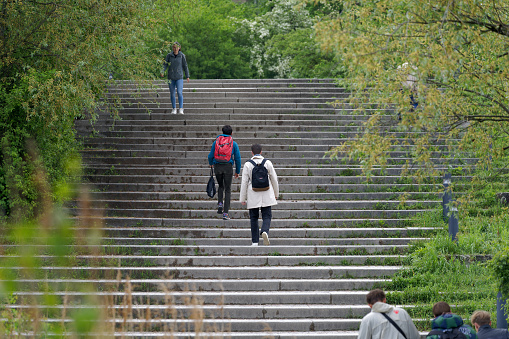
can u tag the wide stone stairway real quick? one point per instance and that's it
(334, 235)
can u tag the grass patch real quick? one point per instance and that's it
(457, 272)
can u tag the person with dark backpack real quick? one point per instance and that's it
(259, 191)
(447, 325)
(223, 154)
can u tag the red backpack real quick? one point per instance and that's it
(223, 150)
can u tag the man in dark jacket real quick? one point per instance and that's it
(482, 323)
(176, 64)
(224, 169)
(447, 324)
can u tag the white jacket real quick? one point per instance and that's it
(375, 326)
(258, 199)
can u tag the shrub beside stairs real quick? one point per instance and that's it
(334, 236)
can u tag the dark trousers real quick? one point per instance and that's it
(266, 217)
(224, 176)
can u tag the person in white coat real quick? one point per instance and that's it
(259, 200)
(376, 324)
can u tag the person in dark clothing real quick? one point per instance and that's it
(224, 170)
(176, 64)
(447, 323)
(481, 320)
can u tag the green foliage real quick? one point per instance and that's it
(55, 60)
(50, 239)
(500, 267)
(264, 39)
(441, 269)
(297, 55)
(207, 33)
(451, 59)
(282, 42)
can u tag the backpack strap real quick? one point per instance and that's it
(394, 324)
(255, 164)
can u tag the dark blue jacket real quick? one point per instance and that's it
(235, 155)
(486, 332)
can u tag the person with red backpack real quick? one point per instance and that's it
(223, 154)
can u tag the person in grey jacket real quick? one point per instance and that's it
(176, 64)
(376, 324)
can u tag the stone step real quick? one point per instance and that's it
(282, 207)
(293, 161)
(252, 90)
(140, 195)
(178, 189)
(281, 171)
(287, 233)
(163, 102)
(245, 272)
(246, 249)
(230, 298)
(241, 241)
(239, 285)
(288, 141)
(253, 260)
(201, 152)
(199, 124)
(275, 249)
(245, 312)
(106, 126)
(227, 83)
(244, 223)
(223, 116)
(236, 213)
(163, 98)
(282, 179)
(233, 325)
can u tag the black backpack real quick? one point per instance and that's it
(450, 333)
(259, 177)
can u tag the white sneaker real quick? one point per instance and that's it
(254, 244)
(266, 240)
(181, 111)
(174, 111)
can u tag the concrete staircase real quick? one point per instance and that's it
(334, 236)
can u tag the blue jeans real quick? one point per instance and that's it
(180, 86)
(266, 217)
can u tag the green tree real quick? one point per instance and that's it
(456, 51)
(297, 54)
(282, 42)
(206, 31)
(55, 60)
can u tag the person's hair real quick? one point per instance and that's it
(440, 308)
(227, 129)
(256, 148)
(480, 318)
(375, 296)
